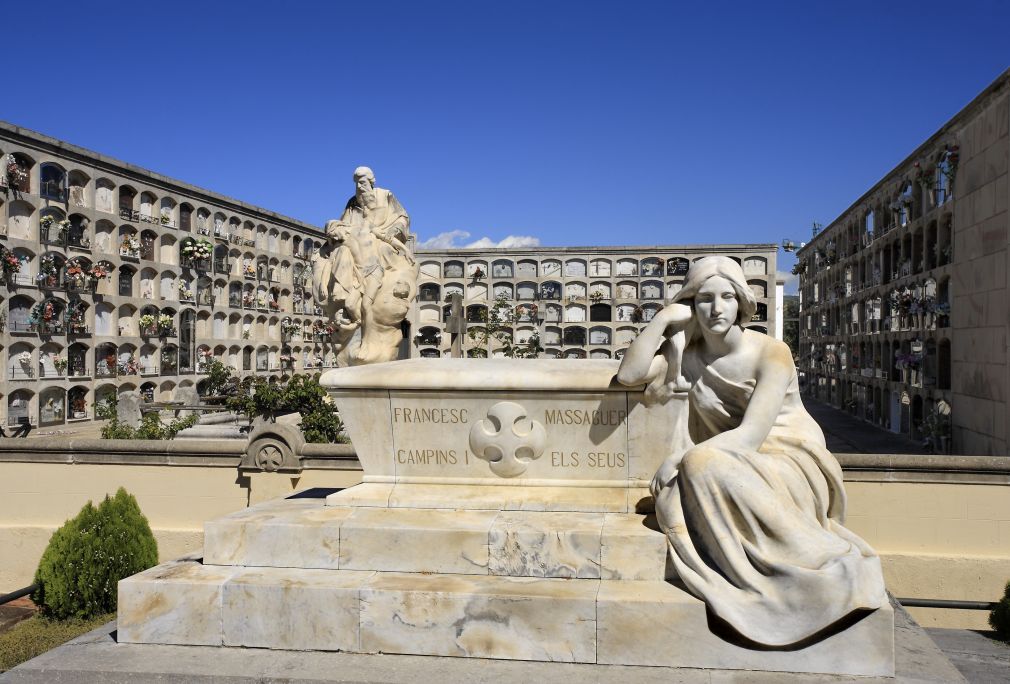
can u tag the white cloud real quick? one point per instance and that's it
(513, 241)
(792, 282)
(444, 240)
(455, 239)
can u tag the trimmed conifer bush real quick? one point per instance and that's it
(87, 557)
(999, 618)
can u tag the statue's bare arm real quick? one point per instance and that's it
(641, 364)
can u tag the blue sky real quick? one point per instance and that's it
(582, 123)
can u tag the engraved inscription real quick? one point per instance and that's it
(429, 415)
(578, 417)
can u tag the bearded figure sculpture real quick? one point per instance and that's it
(366, 276)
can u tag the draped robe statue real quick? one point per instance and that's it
(750, 498)
(366, 276)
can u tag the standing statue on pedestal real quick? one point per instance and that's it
(751, 500)
(366, 277)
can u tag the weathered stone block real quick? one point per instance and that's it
(527, 544)
(655, 623)
(293, 609)
(410, 540)
(480, 617)
(174, 603)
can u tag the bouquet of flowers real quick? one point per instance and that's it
(11, 264)
(199, 250)
(15, 174)
(164, 322)
(147, 320)
(130, 245)
(924, 176)
(99, 271)
(128, 366)
(184, 291)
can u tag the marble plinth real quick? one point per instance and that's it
(302, 533)
(572, 586)
(478, 616)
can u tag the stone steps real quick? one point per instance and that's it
(302, 533)
(465, 615)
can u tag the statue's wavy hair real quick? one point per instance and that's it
(709, 267)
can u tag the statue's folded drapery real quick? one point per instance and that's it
(758, 535)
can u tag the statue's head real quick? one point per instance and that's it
(730, 276)
(364, 179)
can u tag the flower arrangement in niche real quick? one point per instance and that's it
(164, 322)
(146, 320)
(78, 407)
(25, 358)
(14, 174)
(129, 365)
(924, 176)
(949, 160)
(130, 246)
(99, 271)
(199, 250)
(47, 271)
(9, 263)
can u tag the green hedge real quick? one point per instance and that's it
(87, 557)
(999, 618)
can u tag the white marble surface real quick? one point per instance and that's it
(405, 540)
(572, 620)
(270, 537)
(585, 436)
(480, 617)
(298, 611)
(534, 375)
(527, 544)
(366, 417)
(174, 603)
(633, 548)
(655, 623)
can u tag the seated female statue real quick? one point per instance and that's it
(753, 508)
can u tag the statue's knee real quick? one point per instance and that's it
(702, 461)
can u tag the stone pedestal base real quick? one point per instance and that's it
(587, 586)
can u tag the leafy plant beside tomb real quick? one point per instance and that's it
(999, 618)
(89, 554)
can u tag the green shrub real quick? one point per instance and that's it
(87, 557)
(999, 618)
(151, 426)
(302, 394)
